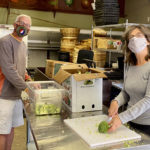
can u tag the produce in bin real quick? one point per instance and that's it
(43, 109)
(48, 101)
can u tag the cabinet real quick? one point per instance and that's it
(66, 6)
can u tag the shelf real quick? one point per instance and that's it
(122, 25)
(109, 50)
(43, 45)
(44, 48)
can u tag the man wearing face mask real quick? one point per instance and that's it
(12, 80)
(136, 89)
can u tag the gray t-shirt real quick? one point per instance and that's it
(136, 92)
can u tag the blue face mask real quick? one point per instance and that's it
(136, 45)
(21, 31)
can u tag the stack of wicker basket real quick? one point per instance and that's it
(69, 40)
(99, 56)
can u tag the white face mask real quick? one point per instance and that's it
(136, 45)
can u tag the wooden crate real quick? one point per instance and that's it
(105, 43)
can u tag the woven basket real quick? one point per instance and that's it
(100, 63)
(99, 56)
(70, 32)
(68, 44)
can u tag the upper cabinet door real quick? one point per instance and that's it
(66, 6)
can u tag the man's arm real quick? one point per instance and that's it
(8, 68)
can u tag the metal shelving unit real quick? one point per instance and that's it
(109, 50)
(113, 33)
(44, 43)
(110, 33)
(117, 33)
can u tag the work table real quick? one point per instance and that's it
(51, 133)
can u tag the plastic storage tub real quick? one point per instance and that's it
(46, 96)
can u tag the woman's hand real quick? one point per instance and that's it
(114, 123)
(113, 109)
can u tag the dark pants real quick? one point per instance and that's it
(143, 128)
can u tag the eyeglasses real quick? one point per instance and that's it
(24, 24)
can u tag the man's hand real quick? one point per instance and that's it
(114, 123)
(25, 95)
(37, 86)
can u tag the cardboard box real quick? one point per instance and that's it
(74, 66)
(106, 43)
(52, 67)
(85, 90)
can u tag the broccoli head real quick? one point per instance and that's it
(103, 127)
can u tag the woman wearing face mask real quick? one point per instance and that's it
(136, 89)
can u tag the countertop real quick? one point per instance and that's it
(50, 132)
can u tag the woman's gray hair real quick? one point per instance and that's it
(23, 15)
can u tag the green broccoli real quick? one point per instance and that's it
(37, 109)
(43, 109)
(103, 127)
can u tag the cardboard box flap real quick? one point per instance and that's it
(97, 70)
(78, 74)
(74, 66)
(52, 67)
(56, 61)
(61, 76)
(80, 77)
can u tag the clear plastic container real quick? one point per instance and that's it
(47, 96)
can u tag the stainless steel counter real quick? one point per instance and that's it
(50, 133)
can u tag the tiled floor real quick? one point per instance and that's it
(20, 138)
